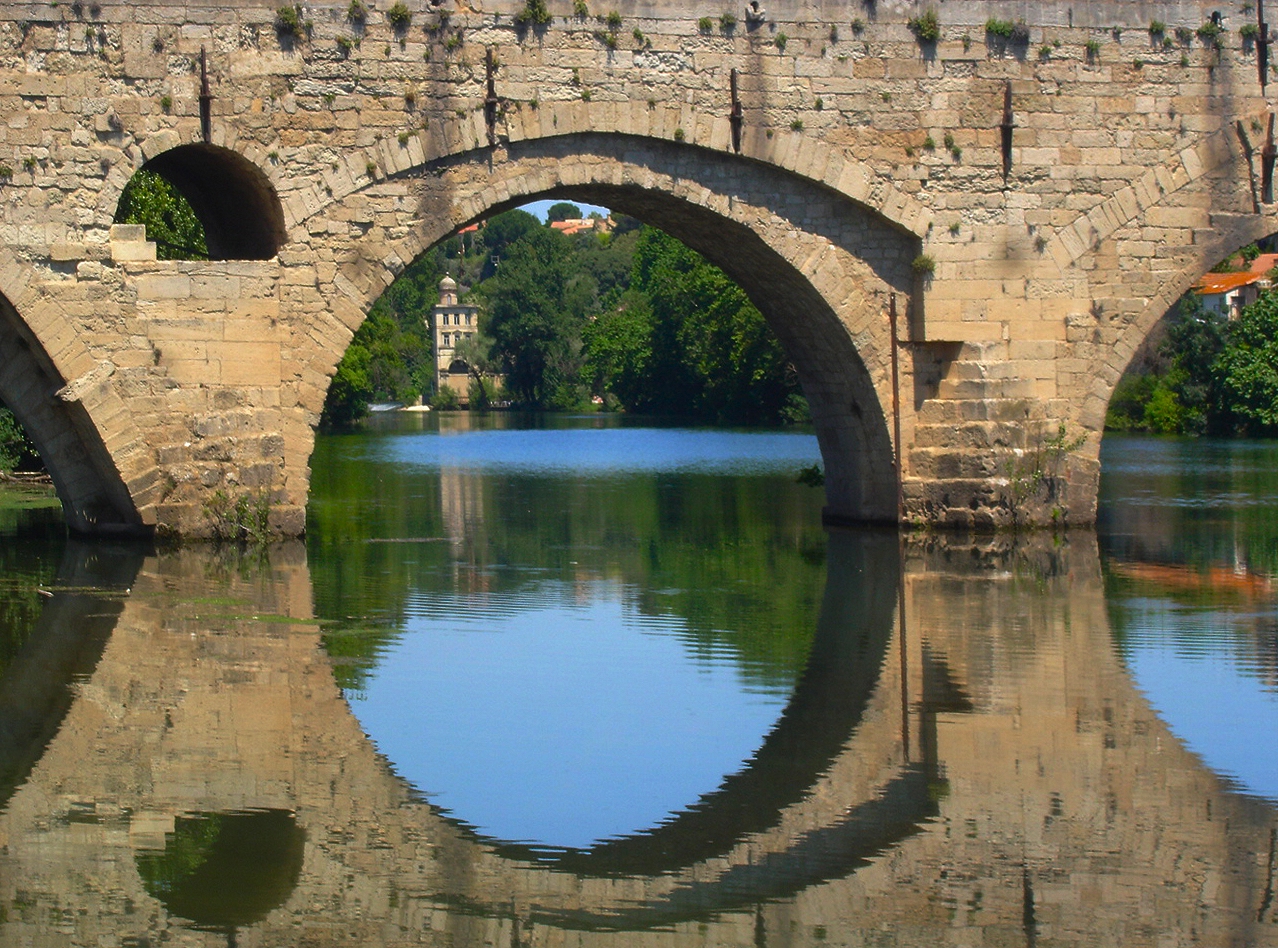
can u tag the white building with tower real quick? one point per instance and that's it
(453, 322)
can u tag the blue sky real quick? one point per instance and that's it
(539, 208)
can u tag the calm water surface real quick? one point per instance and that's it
(551, 680)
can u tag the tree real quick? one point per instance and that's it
(350, 391)
(697, 347)
(476, 351)
(1195, 340)
(17, 453)
(563, 211)
(1248, 367)
(535, 317)
(170, 221)
(502, 231)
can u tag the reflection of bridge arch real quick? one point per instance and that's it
(1041, 740)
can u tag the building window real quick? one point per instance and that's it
(447, 340)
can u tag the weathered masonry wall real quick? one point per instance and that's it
(867, 163)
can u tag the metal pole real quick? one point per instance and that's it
(896, 408)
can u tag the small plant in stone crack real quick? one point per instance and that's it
(1034, 475)
(399, 17)
(244, 519)
(926, 27)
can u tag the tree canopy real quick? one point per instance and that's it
(170, 221)
(1218, 377)
(632, 318)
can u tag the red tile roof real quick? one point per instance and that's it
(1264, 263)
(1224, 282)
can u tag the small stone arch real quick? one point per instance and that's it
(234, 200)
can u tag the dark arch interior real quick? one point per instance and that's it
(94, 498)
(234, 200)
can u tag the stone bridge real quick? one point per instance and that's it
(1033, 196)
(957, 781)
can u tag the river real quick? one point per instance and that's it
(592, 681)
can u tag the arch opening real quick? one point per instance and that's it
(236, 204)
(1201, 366)
(818, 265)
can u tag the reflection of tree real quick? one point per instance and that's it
(225, 871)
(740, 561)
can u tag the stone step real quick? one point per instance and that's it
(986, 388)
(947, 463)
(937, 411)
(971, 434)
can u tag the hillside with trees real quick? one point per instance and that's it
(630, 319)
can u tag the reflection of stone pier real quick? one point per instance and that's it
(997, 780)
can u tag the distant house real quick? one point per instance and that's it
(1227, 293)
(600, 225)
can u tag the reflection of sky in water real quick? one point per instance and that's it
(1191, 667)
(562, 719)
(608, 451)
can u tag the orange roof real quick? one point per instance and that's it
(1264, 263)
(1224, 282)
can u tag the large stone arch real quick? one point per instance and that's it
(818, 264)
(79, 428)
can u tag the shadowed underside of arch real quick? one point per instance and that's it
(94, 497)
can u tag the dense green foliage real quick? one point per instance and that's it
(390, 358)
(17, 453)
(633, 319)
(686, 340)
(1217, 378)
(149, 199)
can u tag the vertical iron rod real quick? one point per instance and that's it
(490, 98)
(1005, 130)
(206, 100)
(896, 407)
(1267, 155)
(1262, 44)
(735, 118)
